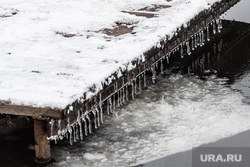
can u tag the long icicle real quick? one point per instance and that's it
(77, 132)
(114, 104)
(80, 124)
(124, 95)
(74, 132)
(145, 79)
(188, 48)
(100, 106)
(139, 83)
(214, 27)
(153, 74)
(192, 43)
(108, 107)
(118, 99)
(135, 85)
(162, 67)
(70, 132)
(133, 96)
(121, 96)
(85, 125)
(98, 116)
(126, 92)
(181, 51)
(90, 126)
(94, 113)
(208, 33)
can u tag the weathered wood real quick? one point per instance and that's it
(42, 145)
(11, 109)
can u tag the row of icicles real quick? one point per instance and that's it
(84, 125)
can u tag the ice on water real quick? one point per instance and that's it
(177, 113)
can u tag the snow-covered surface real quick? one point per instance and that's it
(40, 67)
(176, 114)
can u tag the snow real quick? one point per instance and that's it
(174, 115)
(42, 68)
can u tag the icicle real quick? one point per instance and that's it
(162, 67)
(124, 95)
(77, 132)
(60, 133)
(139, 83)
(67, 135)
(98, 116)
(80, 125)
(94, 113)
(114, 104)
(203, 37)
(198, 39)
(108, 107)
(135, 86)
(52, 123)
(144, 79)
(90, 127)
(74, 133)
(126, 92)
(121, 96)
(132, 84)
(153, 74)
(181, 51)
(118, 99)
(208, 33)
(219, 25)
(55, 141)
(168, 55)
(188, 48)
(59, 128)
(193, 43)
(214, 27)
(70, 132)
(85, 125)
(100, 105)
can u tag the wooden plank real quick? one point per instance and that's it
(36, 112)
(42, 145)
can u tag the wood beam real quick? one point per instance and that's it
(42, 145)
(35, 112)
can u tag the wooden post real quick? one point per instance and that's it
(42, 145)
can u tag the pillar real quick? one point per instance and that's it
(42, 145)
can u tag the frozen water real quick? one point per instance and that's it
(173, 115)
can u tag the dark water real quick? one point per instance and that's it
(131, 139)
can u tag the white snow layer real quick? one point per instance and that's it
(40, 67)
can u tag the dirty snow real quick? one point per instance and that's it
(40, 67)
